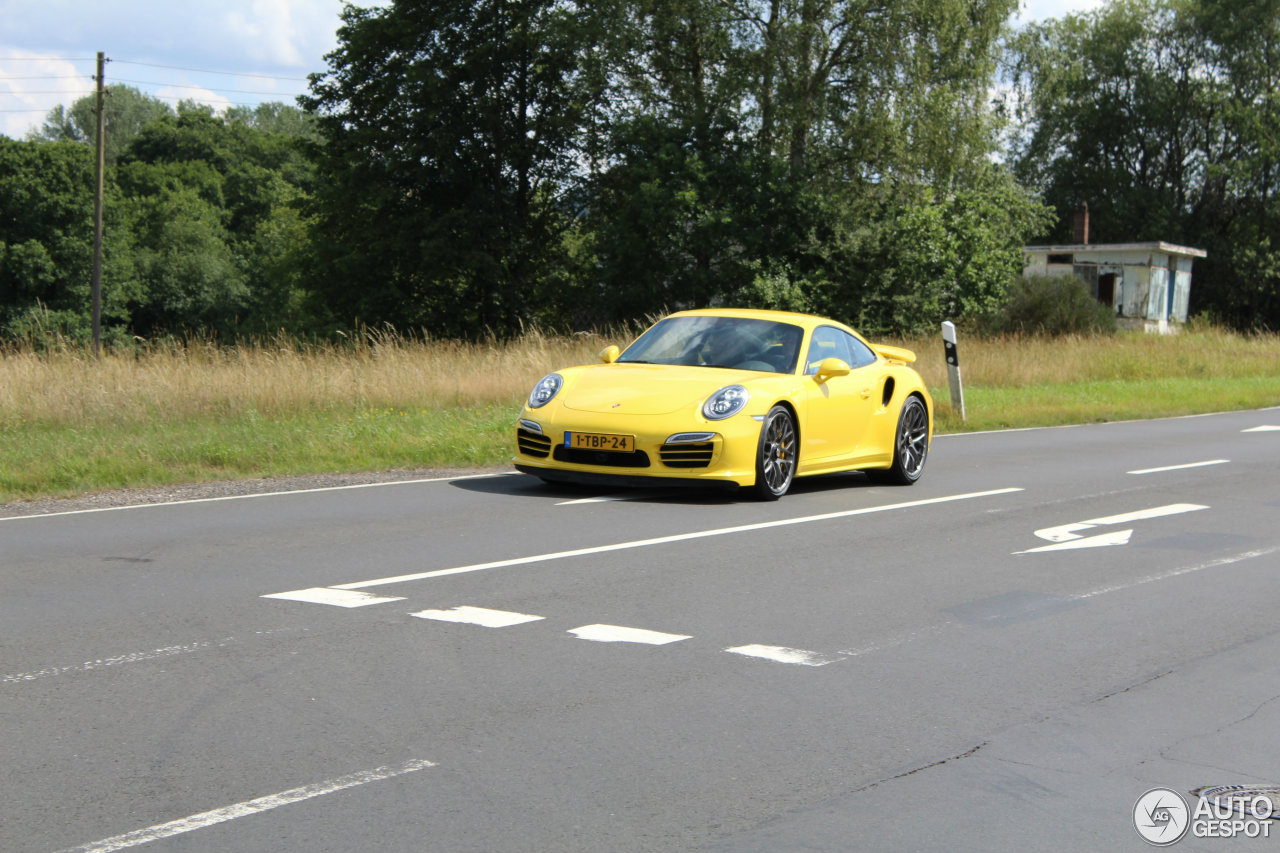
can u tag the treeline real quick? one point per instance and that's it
(204, 223)
(470, 168)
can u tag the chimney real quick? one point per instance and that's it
(1081, 236)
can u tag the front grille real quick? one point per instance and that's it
(532, 444)
(578, 456)
(686, 455)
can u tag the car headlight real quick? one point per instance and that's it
(546, 388)
(725, 403)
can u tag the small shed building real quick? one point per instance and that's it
(1147, 284)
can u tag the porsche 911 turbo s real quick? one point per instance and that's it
(743, 398)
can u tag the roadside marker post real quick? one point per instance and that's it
(953, 367)
(949, 345)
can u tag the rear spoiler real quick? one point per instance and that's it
(901, 354)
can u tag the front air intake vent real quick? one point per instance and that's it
(532, 444)
(687, 455)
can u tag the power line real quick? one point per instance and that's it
(209, 71)
(50, 77)
(204, 88)
(46, 59)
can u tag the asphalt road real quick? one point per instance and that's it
(1005, 656)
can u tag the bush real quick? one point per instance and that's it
(1052, 305)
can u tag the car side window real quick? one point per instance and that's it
(862, 354)
(828, 342)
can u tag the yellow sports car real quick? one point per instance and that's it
(730, 397)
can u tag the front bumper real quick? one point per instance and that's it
(726, 458)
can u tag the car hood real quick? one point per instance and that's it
(647, 389)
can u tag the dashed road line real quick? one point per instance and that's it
(783, 654)
(135, 657)
(249, 807)
(619, 634)
(481, 616)
(1182, 467)
(335, 597)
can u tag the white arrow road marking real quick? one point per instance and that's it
(250, 807)
(336, 597)
(481, 616)
(618, 634)
(782, 654)
(1067, 532)
(1120, 537)
(1181, 467)
(1263, 429)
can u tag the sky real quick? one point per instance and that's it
(240, 52)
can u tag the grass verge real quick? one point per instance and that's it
(197, 412)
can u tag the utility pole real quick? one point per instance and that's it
(97, 209)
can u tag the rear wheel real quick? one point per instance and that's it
(776, 455)
(910, 445)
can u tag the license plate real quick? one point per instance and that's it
(600, 441)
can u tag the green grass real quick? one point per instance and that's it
(196, 412)
(1099, 401)
(40, 461)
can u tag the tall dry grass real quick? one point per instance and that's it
(275, 379)
(281, 378)
(1019, 361)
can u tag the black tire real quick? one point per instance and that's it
(910, 444)
(776, 455)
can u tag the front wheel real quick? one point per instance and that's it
(776, 455)
(911, 444)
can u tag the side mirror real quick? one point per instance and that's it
(610, 354)
(831, 367)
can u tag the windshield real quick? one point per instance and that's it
(736, 342)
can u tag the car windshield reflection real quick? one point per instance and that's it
(739, 343)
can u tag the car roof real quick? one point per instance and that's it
(807, 320)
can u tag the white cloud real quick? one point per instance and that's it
(31, 86)
(173, 94)
(1039, 10)
(265, 49)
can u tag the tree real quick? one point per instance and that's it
(46, 239)
(127, 112)
(452, 143)
(762, 148)
(216, 215)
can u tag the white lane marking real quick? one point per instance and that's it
(1104, 540)
(336, 597)
(135, 657)
(249, 807)
(1199, 567)
(665, 540)
(1263, 428)
(596, 500)
(1065, 532)
(1181, 467)
(782, 654)
(481, 616)
(619, 634)
(898, 640)
(261, 495)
